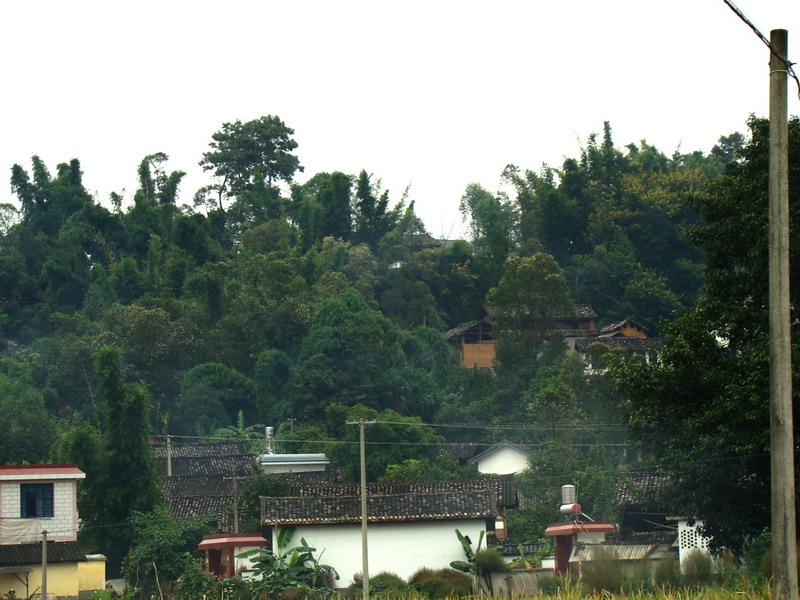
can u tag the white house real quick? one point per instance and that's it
(407, 531)
(35, 498)
(503, 458)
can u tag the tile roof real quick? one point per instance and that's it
(380, 509)
(198, 486)
(628, 344)
(503, 487)
(620, 324)
(584, 552)
(201, 459)
(641, 488)
(31, 554)
(460, 451)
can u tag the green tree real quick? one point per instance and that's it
(245, 155)
(129, 482)
(531, 292)
(702, 409)
(211, 397)
(161, 547)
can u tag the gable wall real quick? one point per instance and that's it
(503, 461)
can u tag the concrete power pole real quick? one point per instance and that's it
(44, 565)
(364, 552)
(784, 540)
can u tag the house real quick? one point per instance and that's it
(223, 553)
(624, 328)
(199, 478)
(640, 501)
(475, 347)
(503, 458)
(37, 498)
(407, 531)
(473, 343)
(632, 551)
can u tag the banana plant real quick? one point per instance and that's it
(468, 566)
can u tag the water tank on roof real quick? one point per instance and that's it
(568, 494)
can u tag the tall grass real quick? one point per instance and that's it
(576, 592)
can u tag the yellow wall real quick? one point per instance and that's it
(630, 331)
(92, 575)
(62, 580)
(478, 355)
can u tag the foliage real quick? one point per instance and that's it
(603, 572)
(697, 568)
(668, 573)
(718, 351)
(164, 545)
(441, 583)
(297, 568)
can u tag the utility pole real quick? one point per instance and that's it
(235, 502)
(44, 565)
(364, 553)
(784, 540)
(169, 456)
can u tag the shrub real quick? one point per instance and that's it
(489, 561)
(668, 573)
(603, 572)
(697, 568)
(388, 584)
(640, 578)
(442, 583)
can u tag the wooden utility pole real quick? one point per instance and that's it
(784, 540)
(364, 553)
(44, 565)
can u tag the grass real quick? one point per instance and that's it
(576, 592)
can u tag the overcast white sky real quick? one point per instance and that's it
(431, 94)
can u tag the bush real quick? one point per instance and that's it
(442, 583)
(639, 579)
(386, 584)
(697, 568)
(668, 573)
(489, 561)
(603, 572)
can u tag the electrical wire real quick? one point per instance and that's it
(763, 38)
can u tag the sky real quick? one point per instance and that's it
(432, 95)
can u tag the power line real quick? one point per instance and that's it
(557, 426)
(764, 39)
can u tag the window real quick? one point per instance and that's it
(36, 500)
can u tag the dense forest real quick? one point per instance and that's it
(265, 301)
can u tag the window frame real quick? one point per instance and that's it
(43, 502)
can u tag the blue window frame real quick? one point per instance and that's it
(36, 500)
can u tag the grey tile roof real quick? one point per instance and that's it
(31, 554)
(504, 488)
(224, 459)
(641, 488)
(627, 344)
(380, 509)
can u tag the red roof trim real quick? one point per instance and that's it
(231, 540)
(576, 528)
(39, 466)
(6, 470)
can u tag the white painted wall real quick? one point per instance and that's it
(62, 526)
(503, 461)
(400, 548)
(291, 468)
